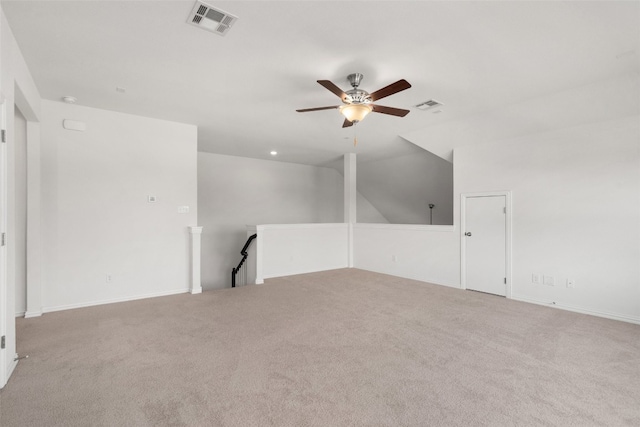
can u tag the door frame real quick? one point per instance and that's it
(5, 308)
(463, 244)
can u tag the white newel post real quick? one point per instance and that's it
(259, 279)
(196, 237)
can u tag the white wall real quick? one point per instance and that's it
(97, 220)
(284, 250)
(234, 192)
(420, 252)
(576, 211)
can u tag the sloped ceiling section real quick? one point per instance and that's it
(402, 187)
(599, 101)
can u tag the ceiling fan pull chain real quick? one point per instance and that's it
(355, 134)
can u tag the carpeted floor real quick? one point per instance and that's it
(337, 348)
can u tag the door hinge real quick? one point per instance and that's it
(4, 239)
(505, 280)
(3, 135)
(2, 342)
(504, 210)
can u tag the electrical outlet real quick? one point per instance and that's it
(571, 283)
(394, 258)
(108, 278)
(535, 278)
(548, 280)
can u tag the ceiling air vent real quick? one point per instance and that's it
(208, 18)
(428, 105)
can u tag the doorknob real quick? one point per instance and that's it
(468, 233)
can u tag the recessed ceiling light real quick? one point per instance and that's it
(274, 153)
(70, 99)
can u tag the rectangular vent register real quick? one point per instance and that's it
(211, 19)
(428, 105)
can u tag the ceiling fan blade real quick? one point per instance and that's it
(333, 88)
(396, 87)
(347, 123)
(304, 110)
(390, 110)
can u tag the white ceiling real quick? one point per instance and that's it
(478, 58)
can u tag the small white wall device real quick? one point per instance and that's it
(74, 125)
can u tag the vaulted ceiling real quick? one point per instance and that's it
(494, 65)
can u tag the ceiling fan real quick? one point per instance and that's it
(357, 103)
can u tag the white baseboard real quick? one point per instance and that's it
(419, 279)
(30, 314)
(20, 314)
(597, 313)
(305, 271)
(114, 300)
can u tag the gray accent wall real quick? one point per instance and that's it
(402, 187)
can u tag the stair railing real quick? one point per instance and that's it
(241, 268)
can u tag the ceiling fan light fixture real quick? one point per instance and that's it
(355, 112)
(357, 103)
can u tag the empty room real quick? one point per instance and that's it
(319, 213)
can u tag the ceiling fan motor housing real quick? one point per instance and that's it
(355, 95)
(355, 79)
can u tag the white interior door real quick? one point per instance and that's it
(485, 242)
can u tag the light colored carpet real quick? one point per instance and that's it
(337, 348)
